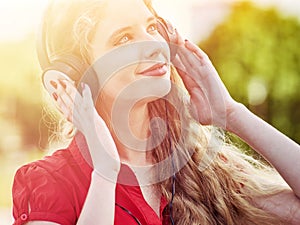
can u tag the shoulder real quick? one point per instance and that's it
(43, 176)
(61, 170)
(43, 190)
(47, 167)
(66, 169)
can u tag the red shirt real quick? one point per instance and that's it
(54, 189)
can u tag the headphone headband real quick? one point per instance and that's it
(64, 66)
(166, 30)
(42, 51)
(68, 66)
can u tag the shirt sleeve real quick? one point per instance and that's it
(40, 195)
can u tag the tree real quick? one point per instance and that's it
(257, 54)
(21, 96)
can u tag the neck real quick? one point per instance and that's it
(130, 132)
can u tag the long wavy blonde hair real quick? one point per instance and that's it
(218, 184)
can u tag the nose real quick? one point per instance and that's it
(153, 48)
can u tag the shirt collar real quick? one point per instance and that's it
(79, 150)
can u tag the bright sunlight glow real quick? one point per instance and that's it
(19, 18)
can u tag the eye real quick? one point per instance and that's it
(123, 40)
(152, 28)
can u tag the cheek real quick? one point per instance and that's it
(165, 46)
(125, 86)
(117, 82)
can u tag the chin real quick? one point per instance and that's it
(164, 89)
(155, 91)
(160, 86)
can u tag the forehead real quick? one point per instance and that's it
(117, 14)
(124, 10)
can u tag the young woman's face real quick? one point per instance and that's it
(130, 56)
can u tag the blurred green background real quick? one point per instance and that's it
(255, 50)
(257, 54)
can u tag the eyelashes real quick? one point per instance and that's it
(152, 28)
(124, 39)
(129, 36)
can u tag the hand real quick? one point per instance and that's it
(210, 99)
(76, 108)
(79, 109)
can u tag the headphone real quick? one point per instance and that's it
(65, 66)
(70, 67)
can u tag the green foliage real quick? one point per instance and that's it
(258, 44)
(21, 94)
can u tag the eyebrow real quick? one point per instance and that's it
(121, 30)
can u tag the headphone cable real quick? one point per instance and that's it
(173, 180)
(173, 167)
(129, 213)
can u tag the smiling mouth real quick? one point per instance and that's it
(158, 69)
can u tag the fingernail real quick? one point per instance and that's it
(170, 28)
(82, 86)
(53, 83)
(63, 84)
(176, 31)
(55, 96)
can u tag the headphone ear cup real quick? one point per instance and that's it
(52, 75)
(57, 71)
(90, 77)
(162, 29)
(70, 65)
(74, 71)
(170, 37)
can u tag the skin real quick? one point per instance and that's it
(122, 28)
(213, 106)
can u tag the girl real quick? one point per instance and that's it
(146, 148)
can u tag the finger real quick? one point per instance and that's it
(195, 49)
(173, 39)
(66, 93)
(87, 94)
(180, 40)
(190, 46)
(180, 68)
(178, 64)
(86, 109)
(63, 108)
(186, 72)
(72, 97)
(70, 88)
(182, 51)
(188, 59)
(69, 101)
(189, 82)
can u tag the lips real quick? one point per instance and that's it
(158, 69)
